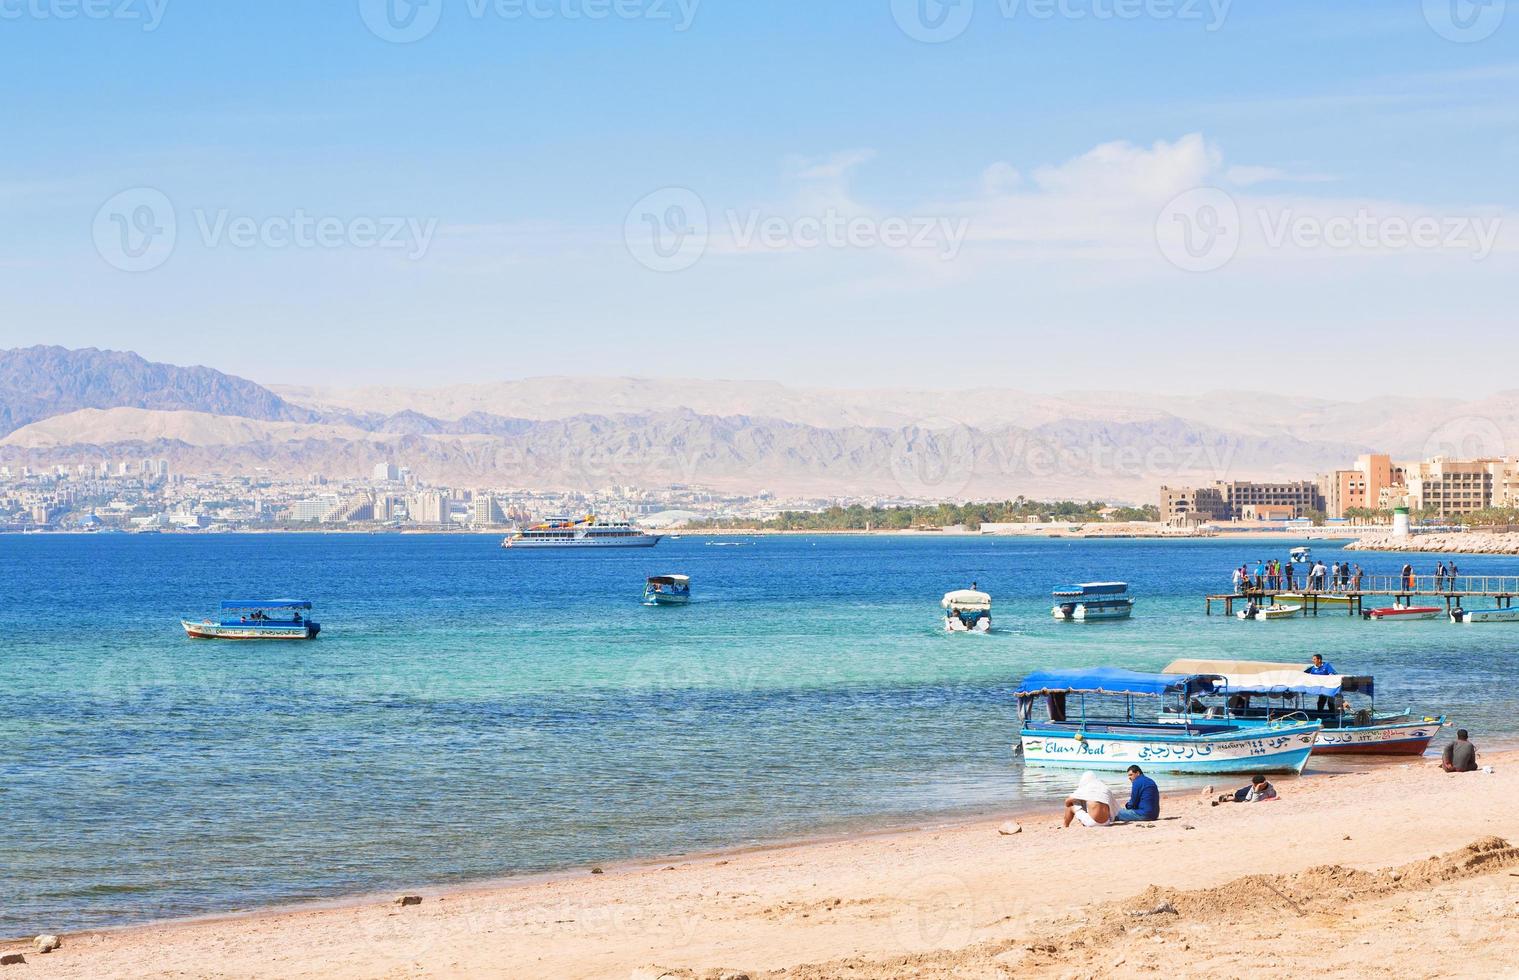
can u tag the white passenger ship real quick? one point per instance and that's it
(564, 532)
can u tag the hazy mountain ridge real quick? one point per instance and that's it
(582, 433)
(41, 382)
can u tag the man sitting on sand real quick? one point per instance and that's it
(1144, 798)
(1091, 805)
(1258, 791)
(1460, 755)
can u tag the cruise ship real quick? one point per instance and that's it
(564, 532)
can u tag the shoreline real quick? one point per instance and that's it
(881, 884)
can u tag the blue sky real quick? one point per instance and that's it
(485, 188)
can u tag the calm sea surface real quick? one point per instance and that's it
(474, 713)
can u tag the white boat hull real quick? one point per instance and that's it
(631, 541)
(1270, 612)
(1082, 613)
(953, 624)
(249, 631)
(1284, 750)
(1485, 616)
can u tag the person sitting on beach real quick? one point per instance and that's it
(1460, 755)
(1144, 798)
(1091, 805)
(1259, 791)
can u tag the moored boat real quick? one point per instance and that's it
(667, 590)
(1257, 693)
(1321, 598)
(1092, 602)
(1263, 613)
(1402, 613)
(257, 619)
(562, 532)
(1459, 615)
(967, 611)
(1111, 729)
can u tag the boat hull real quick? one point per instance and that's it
(666, 600)
(1402, 737)
(1485, 616)
(1274, 612)
(1405, 615)
(637, 541)
(954, 624)
(250, 631)
(1082, 613)
(1269, 750)
(1298, 598)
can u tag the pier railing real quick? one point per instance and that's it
(1444, 585)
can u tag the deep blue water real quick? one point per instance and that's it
(473, 713)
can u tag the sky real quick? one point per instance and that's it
(1159, 195)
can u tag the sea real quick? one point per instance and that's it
(471, 713)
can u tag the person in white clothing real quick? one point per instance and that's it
(1091, 805)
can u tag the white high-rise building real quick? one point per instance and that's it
(385, 473)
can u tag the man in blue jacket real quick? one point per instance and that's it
(1144, 798)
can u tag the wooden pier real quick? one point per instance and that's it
(1501, 589)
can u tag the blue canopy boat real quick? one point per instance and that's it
(1092, 722)
(1255, 693)
(1093, 601)
(667, 590)
(257, 619)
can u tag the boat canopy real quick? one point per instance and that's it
(1091, 588)
(967, 599)
(1112, 680)
(1257, 677)
(669, 580)
(230, 605)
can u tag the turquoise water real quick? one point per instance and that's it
(473, 713)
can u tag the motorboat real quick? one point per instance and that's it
(1092, 602)
(1274, 611)
(1401, 613)
(967, 611)
(1106, 718)
(257, 619)
(1260, 692)
(667, 590)
(1459, 615)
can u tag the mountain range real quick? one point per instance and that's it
(65, 406)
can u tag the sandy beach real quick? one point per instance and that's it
(1402, 868)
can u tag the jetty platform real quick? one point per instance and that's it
(1501, 589)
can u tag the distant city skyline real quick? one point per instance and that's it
(1157, 197)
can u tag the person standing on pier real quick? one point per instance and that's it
(1355, 578)
(1408, 577)
(1290, 570)
(1440, 576)
(1260, 575)
(1239, 578)
(1450, 573)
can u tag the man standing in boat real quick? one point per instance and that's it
(1322, 669)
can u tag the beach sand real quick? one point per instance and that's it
(1402, 869)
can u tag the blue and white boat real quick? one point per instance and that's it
(257, 619)
(667, 590)
(1092, 602)
(1254, 693)
(967, 611)
(1107, 719)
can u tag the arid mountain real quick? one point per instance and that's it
(583, 433)
(40, 382)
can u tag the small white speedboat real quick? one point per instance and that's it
(1263, 613)
(1404, 613)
